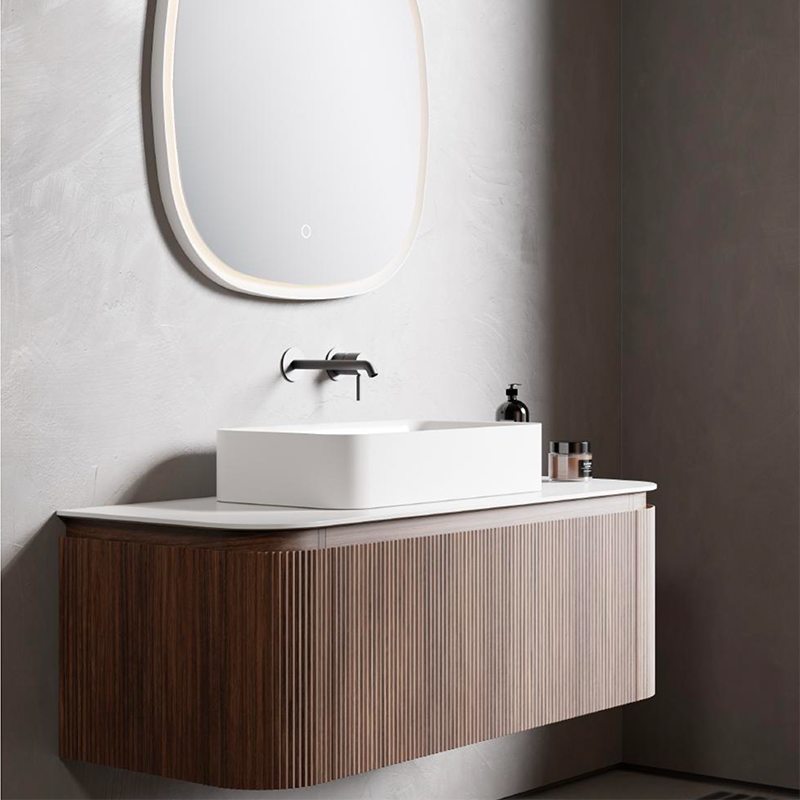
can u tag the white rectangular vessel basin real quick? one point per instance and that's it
(373, 464)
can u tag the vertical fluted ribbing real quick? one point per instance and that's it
(399, 649)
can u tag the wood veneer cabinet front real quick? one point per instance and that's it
(260, 667)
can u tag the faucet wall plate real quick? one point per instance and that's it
(292, 375)
(332, 355)
(334, 376)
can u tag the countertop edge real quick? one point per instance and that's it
(179, 513)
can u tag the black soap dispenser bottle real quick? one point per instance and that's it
(513, 410)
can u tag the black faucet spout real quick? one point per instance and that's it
(341, 366)
(335, 364)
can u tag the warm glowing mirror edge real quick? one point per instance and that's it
(175, 205)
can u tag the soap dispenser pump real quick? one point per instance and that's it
(513, 410)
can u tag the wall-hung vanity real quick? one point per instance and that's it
(263, 647)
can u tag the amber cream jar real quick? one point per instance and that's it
(570, 461)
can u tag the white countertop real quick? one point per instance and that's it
(206, 512)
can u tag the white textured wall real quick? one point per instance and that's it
(120, 361)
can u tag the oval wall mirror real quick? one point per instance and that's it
(291, 140)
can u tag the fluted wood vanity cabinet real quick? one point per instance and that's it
(266, 659)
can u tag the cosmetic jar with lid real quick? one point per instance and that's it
(570, 461)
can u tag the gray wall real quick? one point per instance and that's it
(710, 374)
(120, 361)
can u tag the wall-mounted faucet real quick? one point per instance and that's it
(335, 364)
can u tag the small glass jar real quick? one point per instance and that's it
(570, 461)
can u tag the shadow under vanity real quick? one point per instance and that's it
(265, 647)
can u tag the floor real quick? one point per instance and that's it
(629, 784)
